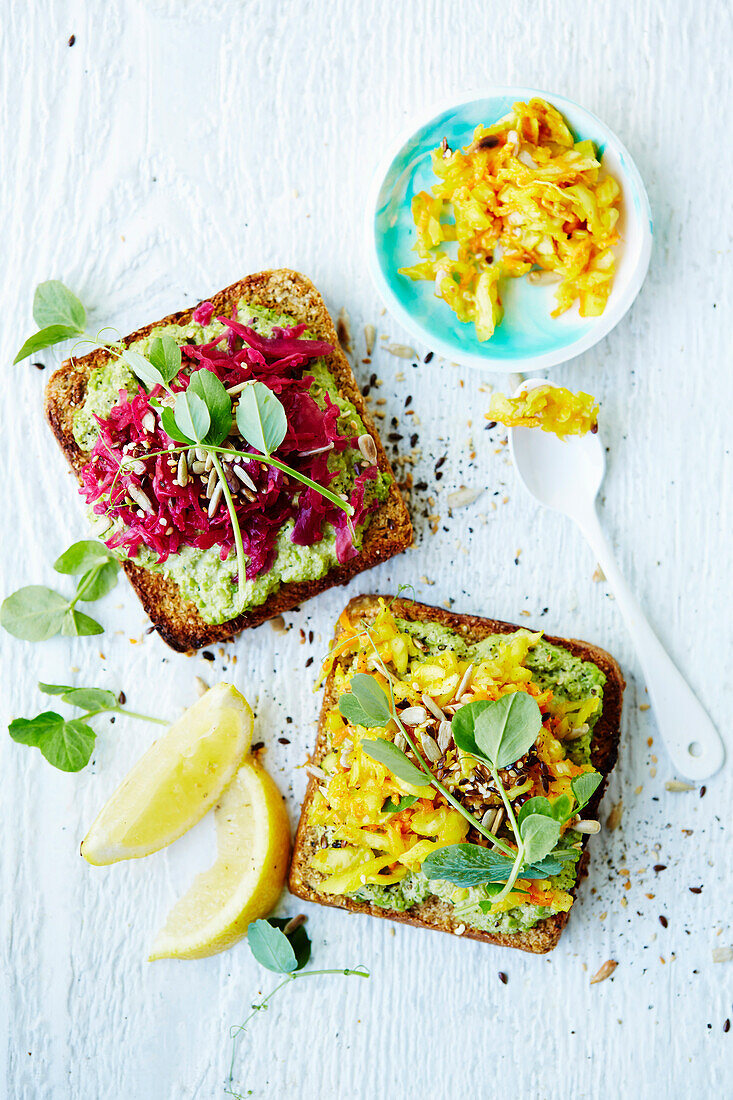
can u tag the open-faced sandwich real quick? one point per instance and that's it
(259, 486)
(457, 772)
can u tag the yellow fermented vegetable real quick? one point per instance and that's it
(523, 195)
(552, 408)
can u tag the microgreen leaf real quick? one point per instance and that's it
(66, 745)
(261, 418)
(539, 835)
(46, 338)
(207, 386)
(583, 787)
(76, 623)
(142, 368)
(463, 726)
(165, 355)
(34, 613)
(507, 728)
(85, 698)
(386, 753)
(192, 415)
(537, 805)
(271, 947)
(404, 803)
(98, 581)
(54, 304)
(561, 808)
(299, 939)
(366, 704)
(171, 429)
(82, 556)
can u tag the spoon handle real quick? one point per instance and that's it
(692, 740)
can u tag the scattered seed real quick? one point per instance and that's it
(244, 478)
(677, 785)
(663, 920)
(604, 972)
(215, 501)
(201, 686)
(278, 624)
(343, 330)
(198, 467)
(211, 484)
(433, 708)
(370, 334)
(182, 472)
(201, 454)
(140, 498)
(368, 447)
(413, 716)
(589, 827)
(695, 889)
(614, 818)
(294, 923)
(148, 422)
(488, 818)
(722, 954)
(462, 497)
(465, 681)
(400, 740)
(502, 976)
(402, 351)
(317, 773)
(430, 747)
(445, 735)
(660, 867)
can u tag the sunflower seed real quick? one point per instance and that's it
(677, 785)
(209, 463)
(400, 741)
(488, 819)
(316, 451)
(461, 498)
(140, 498)
(197, 467)
(244, 478)
(430, 747)
(215, 500)
(182, 472)
(190, 455)
(138, 467)
(614, 818)
(369, 335)
(445, 735)
(294, 922)
(465, 681)
(148, 422)
(589, 827)
(433, 708)
(604, 971)
(234, 390)
(402, 351)
(211, 484)
(200, 454)
(498, 818)
(573, 735)
(413, 716)
(368, 447)
(317, 773)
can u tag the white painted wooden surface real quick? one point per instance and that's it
(175, 147)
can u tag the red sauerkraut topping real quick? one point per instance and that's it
(159, 513)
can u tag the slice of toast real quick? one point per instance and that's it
(389, 532)
(434, 912)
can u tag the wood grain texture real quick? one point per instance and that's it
(174, 146)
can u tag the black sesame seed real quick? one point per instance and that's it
(408, 400)
(428, 357)
(413, 439)
(208, 655)
(72, 40)
(491, 424)
(309, 662)
(284, 740)
(663, 920)
(503, 977)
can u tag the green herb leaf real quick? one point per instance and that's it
(165, 355)
(536, 805)
(463, 726)
(583, 787)
(192, 416)
(299, 939)
(142, 368)
(171, 429)
(562, 808)
(507, 728)
(271, 947)
(66, 745)
(98, 582)
(539, 835)
(83, 556)
(404, 803)
(261, 418)
(367, 703)
(46, 338)
(54, 304)
(77, 624)
(385, 752)
(34, 613)
(472, 865)
(207, 386)
(85, 698)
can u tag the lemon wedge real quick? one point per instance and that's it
(178, 779)
(253, 839)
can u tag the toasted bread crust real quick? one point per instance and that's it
(435, 913)
(389, 532)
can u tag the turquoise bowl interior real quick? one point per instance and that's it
(528, 338)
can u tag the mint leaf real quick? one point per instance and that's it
(366, 704)
(54, 304)
(271, 947)
(261, 418)
(46, 338)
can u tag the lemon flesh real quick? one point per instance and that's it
(253, 839)
(178, 779)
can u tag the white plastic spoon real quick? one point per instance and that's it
(566, 475)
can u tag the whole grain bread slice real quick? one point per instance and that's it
(176, 619)
(433, 912)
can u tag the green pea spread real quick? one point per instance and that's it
(201, 575)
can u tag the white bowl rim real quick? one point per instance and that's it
(607, 320)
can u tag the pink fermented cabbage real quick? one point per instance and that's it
(159, 513)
